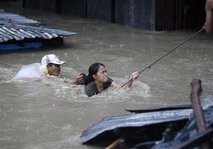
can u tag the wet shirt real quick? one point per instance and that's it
(33, 72)
(91, 88)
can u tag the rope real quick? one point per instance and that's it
(149, 66)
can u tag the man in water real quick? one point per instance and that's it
(50, 67)
(209, 16)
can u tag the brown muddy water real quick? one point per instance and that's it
(52, 114)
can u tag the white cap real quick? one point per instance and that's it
(51, 58)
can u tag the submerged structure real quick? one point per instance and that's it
(18, 33)
(165, 128)
(144, 14)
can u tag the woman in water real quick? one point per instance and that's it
(98, 80)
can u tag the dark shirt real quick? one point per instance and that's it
(91, 88)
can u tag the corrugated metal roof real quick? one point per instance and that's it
(16, 27)
(6, 17)
(8, 33)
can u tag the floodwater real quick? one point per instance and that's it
(52, 114)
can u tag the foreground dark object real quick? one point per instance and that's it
(157, 129)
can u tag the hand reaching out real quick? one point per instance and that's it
(135, 75)
(79, 80)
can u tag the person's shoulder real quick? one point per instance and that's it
(108, 83)
(90, 89)
(110, 80)
(91, 85)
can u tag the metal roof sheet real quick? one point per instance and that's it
(14, 27)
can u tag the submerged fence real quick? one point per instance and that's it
(145, 14)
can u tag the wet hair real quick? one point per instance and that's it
(49, 64)
(93, 69)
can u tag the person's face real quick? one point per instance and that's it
(101, 75)
(54, 70)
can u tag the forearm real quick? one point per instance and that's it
(70, 82)
(128, 83)
(77, 81)
(209, 10)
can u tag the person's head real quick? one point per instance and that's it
(97, 71)
(52, 63)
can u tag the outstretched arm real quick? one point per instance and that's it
(77, 81)
(209, 10)
(133, 77)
